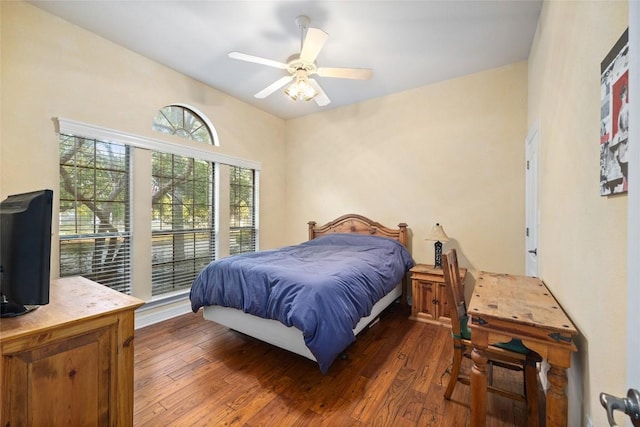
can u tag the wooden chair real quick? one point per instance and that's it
(512, 355)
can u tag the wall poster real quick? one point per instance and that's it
(614, 118)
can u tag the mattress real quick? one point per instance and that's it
(322, 287)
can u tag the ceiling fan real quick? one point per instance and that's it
(301, 66)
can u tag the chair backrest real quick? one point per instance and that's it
(453, 282)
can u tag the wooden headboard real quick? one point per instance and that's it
(353, 223)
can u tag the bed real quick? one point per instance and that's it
(287, 296)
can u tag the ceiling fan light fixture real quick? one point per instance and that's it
(302, 65)
(301, 89)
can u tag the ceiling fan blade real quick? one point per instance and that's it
(346, 73)
(273, 87)
(313, 43)
(257, 60)
(321, 98)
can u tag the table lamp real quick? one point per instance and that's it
(438, 235)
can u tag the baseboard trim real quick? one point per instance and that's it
(146, 316)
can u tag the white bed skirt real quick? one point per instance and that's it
(276, 333)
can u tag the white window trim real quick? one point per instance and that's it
(201, 116)
(160, 307)
(256, 208)
(76, 128)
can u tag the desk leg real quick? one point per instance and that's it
(480, 342)
(557, 405)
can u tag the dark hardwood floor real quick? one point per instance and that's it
(192, 372)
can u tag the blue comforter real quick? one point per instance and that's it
(322, 287)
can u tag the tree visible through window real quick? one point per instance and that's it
(183, 122)
(183, 239)
(182, 220)
(242, 223)
(95, 232)
(95, 239)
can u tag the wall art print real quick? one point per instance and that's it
(614, 118)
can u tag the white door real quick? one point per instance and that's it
(531, 208)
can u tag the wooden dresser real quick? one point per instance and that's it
(429, 302)
(70, 362)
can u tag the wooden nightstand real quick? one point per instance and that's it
(429, 295)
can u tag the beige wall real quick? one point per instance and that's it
(583, 245)
(451, 153)
(51, 68)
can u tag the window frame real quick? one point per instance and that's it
(199, 150)
(189, 148)
(171, 266)
(111, 249)
(194, 112)
(254, 244)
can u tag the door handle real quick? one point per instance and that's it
(630, 405)
(533, 251)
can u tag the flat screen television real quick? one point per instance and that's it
(25, 252)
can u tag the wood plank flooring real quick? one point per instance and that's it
(193, 372)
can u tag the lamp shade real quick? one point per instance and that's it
(437, 234)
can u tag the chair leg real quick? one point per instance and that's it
(531, 391)
(455, 372)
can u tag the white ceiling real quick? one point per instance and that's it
(407, 43)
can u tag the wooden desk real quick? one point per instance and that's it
(506, 306)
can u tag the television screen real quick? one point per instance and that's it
(25, 251)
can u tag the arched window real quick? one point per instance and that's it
(186, 123)
(182, 203)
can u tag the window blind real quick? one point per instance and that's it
(177, 253)
(95, 235)
(242, 221)
(183, 233)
